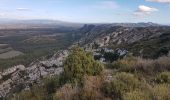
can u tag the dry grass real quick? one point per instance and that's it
(90, 90)
(67, 92)
(150, 66)
(136, 95)
(161, 92)
(147, 66)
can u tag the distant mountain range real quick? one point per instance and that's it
(141, 24)
(11, 23)
(40, 23)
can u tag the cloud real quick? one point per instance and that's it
(144, 11)
(107, 5)
(159, 1)
(22, 9)
(143, 8)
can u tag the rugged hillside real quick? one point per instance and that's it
(139, 40)
(104, 61)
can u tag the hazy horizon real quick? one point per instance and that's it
(58, 20)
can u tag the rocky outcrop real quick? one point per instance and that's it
(19, 74)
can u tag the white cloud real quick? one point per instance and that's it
(143, 8)
(159, 1)
(144, 11)
(22, 9)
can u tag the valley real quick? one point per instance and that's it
(22, 46)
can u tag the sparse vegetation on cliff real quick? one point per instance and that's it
(131, 78)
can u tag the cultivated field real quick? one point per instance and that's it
(10, 54)
(7, 52)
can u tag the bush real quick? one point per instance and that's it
(163, 52)
(67, 92)
(125, 65)
(51, 83)
(36, 93)
(110, 56)
(144, 66)
(121, 83)
(163, 77)
(80, 63)
(91, 88)
(162, 64)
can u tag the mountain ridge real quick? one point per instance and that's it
(156, 37)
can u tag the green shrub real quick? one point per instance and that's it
(126, 65)
(163, 52)
(163, 77)
(36, 93)
(121, 83)
(80, 63)
(110, 56)
(51, 83)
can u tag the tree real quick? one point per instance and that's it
(110, 56)
(80, 63)
(163, 51)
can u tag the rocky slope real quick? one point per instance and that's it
(110, 38)
(21, 77)
(108, 35)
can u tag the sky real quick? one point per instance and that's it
(88, 11)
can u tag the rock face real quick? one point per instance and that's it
(19, 74)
